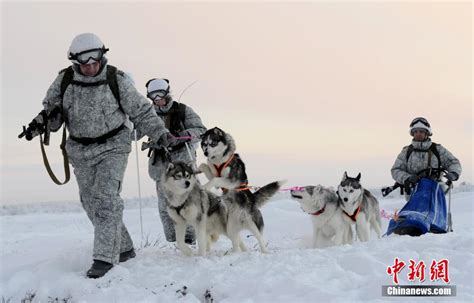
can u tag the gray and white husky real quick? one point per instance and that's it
(189, 204)
(226, 170)
(359, 206)
(329, 226)
(211, 216)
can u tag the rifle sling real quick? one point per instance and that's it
(66, 160)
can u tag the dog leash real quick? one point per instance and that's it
(384, 214)
(295, 188)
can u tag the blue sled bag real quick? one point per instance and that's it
(424, 212)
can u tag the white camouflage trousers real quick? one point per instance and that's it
(99, 189)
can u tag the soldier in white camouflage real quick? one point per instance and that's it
(95, 104)
(183, 122)
(423, 155)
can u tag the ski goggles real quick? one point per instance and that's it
(420, 120)
(161, 93)
(91, 54)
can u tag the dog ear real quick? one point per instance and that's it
(170, 167)
(218, 131)
(358, 177)
(344, 177)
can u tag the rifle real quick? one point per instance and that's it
(388, 189)
(38, 126)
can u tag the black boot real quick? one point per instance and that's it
(99, 269)
(126, 255)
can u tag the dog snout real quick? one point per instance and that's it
(206, 154)
(345, 199)
(187, 183)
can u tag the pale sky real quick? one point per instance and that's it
(307, 90)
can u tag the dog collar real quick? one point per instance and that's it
(319, 211)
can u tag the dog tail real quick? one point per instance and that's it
(266, 192)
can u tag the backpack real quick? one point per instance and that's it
(177, 114)
(111, 80)
(66, 81)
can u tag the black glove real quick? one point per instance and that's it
(36, 126)
(167, 140)
(410, 181)
(452, 176)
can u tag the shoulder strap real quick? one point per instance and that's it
(181, 112)
(434, 150)
(67, 79)
(65, 158)
(113, 84)
(112, 72)
(409, 151)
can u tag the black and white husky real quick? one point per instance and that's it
(211, 216)
(329, 226)
(359, 206)
(226, 170)
(189, 204)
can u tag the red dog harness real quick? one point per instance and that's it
(220, 168)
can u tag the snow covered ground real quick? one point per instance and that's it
(44, 256)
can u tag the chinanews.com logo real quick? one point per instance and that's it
(438, 272)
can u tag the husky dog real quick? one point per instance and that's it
(225, 169)
(244, 212)
(359, 206)
(329, 226)
(189, 204)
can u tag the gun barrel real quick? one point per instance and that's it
(23, 133)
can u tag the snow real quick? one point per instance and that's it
(45, 253)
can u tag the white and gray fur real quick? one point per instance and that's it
(351, 196)
(189, 204)
(244, 212)
(329, 226)
(218, 146)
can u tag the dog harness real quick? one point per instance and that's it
(220, 168)
(354, 215)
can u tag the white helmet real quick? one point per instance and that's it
(86, 47)
(157, 88)
(420, 123)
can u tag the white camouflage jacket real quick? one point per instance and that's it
(90, 112)
(418, 161)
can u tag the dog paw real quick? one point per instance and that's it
(208, 186)
(186, 251)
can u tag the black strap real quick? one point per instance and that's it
(176, 116)
(100, 140)
(432, 148)
(67, 79)
(113, 84)
(111, 73)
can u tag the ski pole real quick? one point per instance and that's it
(139, 188)
(450, 218)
